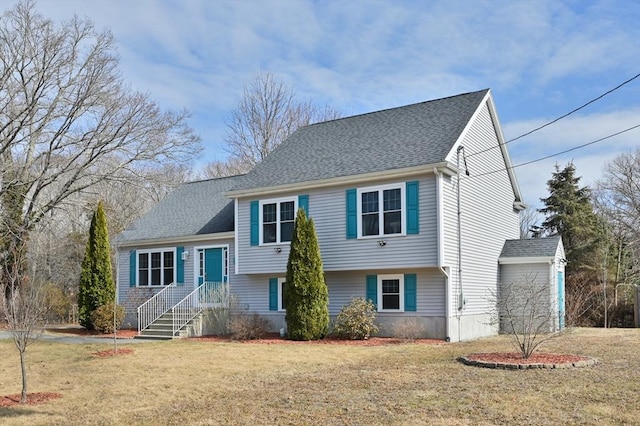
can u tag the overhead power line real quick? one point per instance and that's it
(557, 153)
(559, 118)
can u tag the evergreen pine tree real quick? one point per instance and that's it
(96, 280)
(305, 294)
(570, 214)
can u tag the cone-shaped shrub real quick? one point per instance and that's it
(305, 294)
(96, 280)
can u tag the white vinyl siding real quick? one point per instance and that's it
(487, 217)
(327, 207)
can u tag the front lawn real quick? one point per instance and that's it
(189, 381)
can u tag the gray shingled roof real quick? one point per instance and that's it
(193, 208)
(533, 247)
(396, 138)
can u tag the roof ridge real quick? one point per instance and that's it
(396, 107)
(213, 179)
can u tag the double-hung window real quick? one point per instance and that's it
(156, 267)
(277, 218)
(380, 210)
(391, 293)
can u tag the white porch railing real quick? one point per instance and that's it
(159, 304)
(208, 294)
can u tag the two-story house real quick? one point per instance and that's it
(412, 207)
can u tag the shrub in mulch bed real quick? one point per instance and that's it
(515, 361)
(32, 398)
(111, 352)
(329, 340)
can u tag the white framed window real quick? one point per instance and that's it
(281, 284)
(391, 293)
(156, 267)
(277, 217)
(381, 210)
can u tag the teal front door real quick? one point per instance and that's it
(560, 300)
(211, 265)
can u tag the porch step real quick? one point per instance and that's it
(151, 337)
(161, 329)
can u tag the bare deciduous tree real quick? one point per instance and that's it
(581, 299)
(69, 122)
(217, 169)
(523, 309)
(267, 114)
(25, 312)
(529, 218)
(617, 199)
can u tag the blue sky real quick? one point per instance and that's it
(540, 58)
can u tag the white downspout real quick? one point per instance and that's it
(440, 242)
(236, 259)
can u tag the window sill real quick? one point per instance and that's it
(383, 236)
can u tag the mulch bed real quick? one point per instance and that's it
(80, 331)
(515, 361)
(112, 352)
(32, 398)
(276, 339)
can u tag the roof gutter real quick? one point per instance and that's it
(177, 240)
(521, 260)
(443, 167)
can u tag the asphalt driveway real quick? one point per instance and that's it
(5, 334)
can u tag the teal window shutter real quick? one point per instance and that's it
(179, 266)
(410, 284)
(303, 203)
(132, 268)
(273, 294)
(352, 214)
(255, 222)
(372, 288)
(413, 222)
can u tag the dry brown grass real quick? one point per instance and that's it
(195, 382)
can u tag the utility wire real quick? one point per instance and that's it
(559, 118)
(558, 153)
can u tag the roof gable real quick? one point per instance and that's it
(531, 248)
(193, 208)
(390, 139)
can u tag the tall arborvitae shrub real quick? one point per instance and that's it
(305, 293)
(96, 280)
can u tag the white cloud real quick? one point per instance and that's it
(539, 57)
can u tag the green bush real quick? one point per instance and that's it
(249, 326)
(305, 294)
(356, 321)
(102, 318)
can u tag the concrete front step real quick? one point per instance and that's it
(162, 328)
